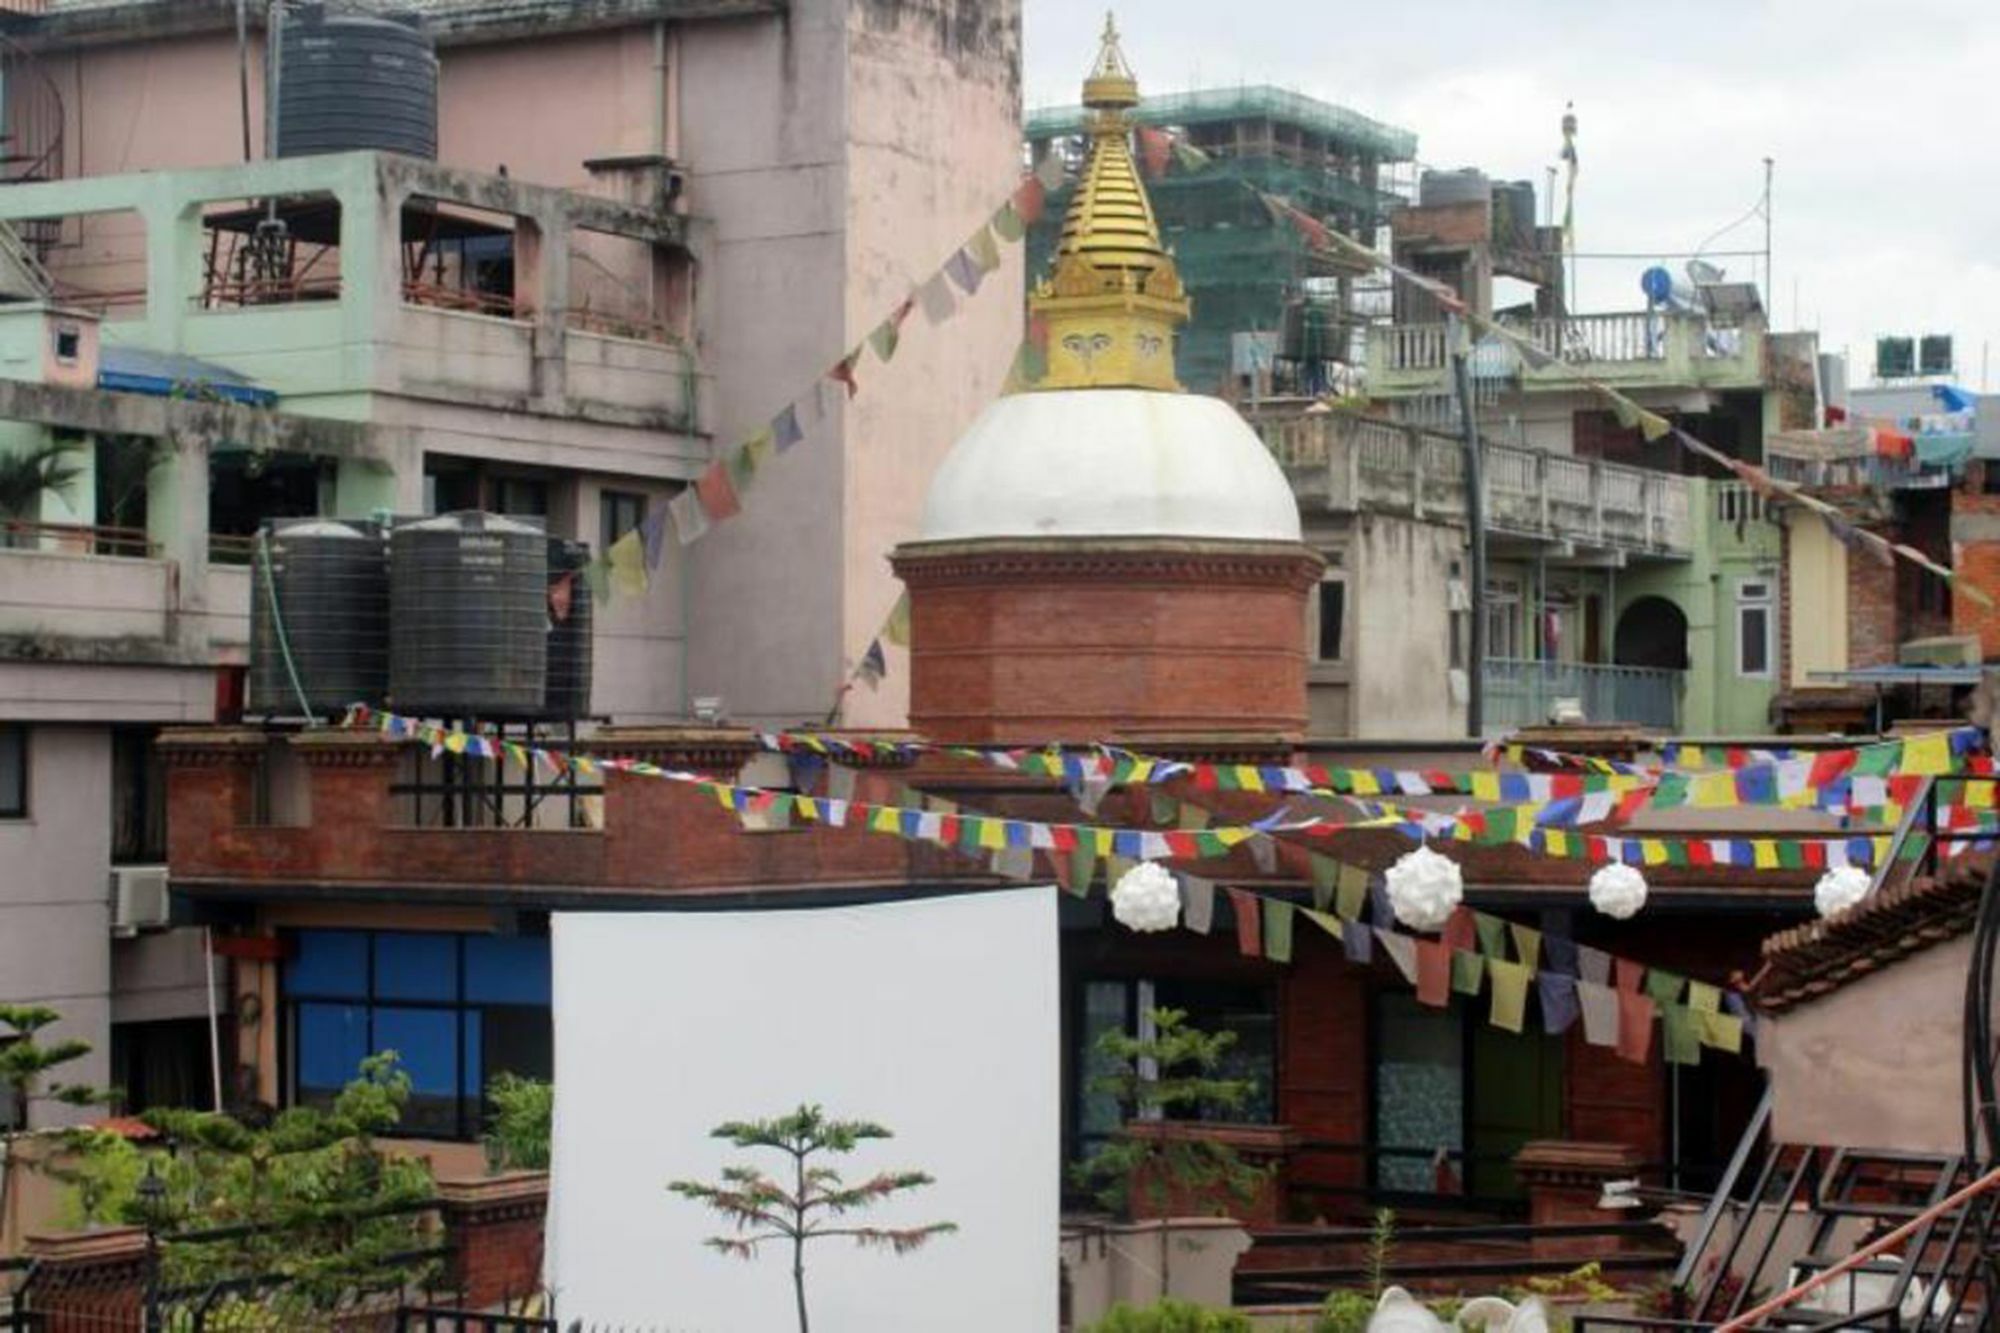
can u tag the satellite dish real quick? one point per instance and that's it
(1701, 273)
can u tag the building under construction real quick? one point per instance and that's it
(1269, 311)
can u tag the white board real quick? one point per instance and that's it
(937, 1018)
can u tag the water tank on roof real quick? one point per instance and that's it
(567, 694)
(468, 616)
(320, 593)
(353, 81)
(1467, 185)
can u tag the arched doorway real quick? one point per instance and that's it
(1652, 632)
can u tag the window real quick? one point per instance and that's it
(457, 1009)
(619, 512)
(13, 771)
(138, 797)
(521, 497)
(1503, 618)
(162, 1063)
(1331, 620)
(1754, 622)
(69, 345)
(1121, 1005)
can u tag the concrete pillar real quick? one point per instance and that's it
(177, 523)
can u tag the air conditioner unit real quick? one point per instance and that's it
(138, 899)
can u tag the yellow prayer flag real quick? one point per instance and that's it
(896, 629)
(1510, 993)
(1764, 854)
(1364, 783)
(1652, 426)
(992, 834)
(1485, 786)
(1100, 841)
(1327, 922)
(1927, 756)
(1704, 997)
(1724, 1032)
(627, 560)
(1652, 851)
(1248, 778)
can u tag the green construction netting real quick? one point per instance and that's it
(1261, 101)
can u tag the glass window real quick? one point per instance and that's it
(619, 512)
(138, 797)
(522, 497)
(13, 771)
(1332, 620)
(1419, 1090)
(1754, 621)
(456, 1009)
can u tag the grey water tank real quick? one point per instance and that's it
(1467, 185)
(567, 694)
(468, 617)
(351, 81)
(319, 592)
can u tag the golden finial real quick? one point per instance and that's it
(1114, 298)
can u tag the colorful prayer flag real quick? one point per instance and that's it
(690, 519)
(627, 558)
(1007, 223)
(936, 299)
(717, 495)
(785, 429)
(1509, 1010)
(1249, 931)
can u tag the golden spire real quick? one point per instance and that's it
(1114, 297)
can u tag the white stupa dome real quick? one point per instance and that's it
(1110, 463)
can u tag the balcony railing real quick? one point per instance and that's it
(1628, 346)
(1522, 693)
(1846, 458)
(1352, 464)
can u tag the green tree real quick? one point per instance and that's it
(517, 1134)
(1168, 1075)
(812, 1202)
(311, 1200)
(26, 476)
(28, 1079)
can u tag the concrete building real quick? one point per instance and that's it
(648, 228)
(1637, 582)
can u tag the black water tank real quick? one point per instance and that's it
(329, 579)
(348, 82)
(568, 692)
(468, 616)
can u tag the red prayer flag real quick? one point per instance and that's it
(559, 596)
(1459, 933)
(843, 372)
(1249, 929)
(1434, 972)
(1629, 974)
(1635, 1024)
(1030, 199)
(1156, 149)
(717, 495)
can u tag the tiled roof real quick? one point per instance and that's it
(1808, 961)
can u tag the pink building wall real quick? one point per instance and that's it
(836, 154)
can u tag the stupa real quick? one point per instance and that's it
(1104, 554)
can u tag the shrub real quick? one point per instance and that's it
(517, 1136)
(1170, 1316)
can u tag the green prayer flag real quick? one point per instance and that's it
(1163, 808)
(1492, 934)
(1664, 986)
(1510, 994)
(1278, 930)
(1327, 922)
(1191, 818)
(1527, 945)
(884, 338)
(1468, 970)
(1682, 1042)
(1325, 874)
(1082, 867)
(742, 467)
(1007, 224)
(1353, 892)
(1791, 856)
(1703, 998)
(598, 575)
(1878, 761)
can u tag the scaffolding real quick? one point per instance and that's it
(1307, 309)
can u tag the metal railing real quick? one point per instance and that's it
(1522, 693)
(1635, 337)
(1362, 464)
(21, 534)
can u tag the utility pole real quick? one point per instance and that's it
(1475, 522)
(1770, 290)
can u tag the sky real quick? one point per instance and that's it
(1881, 119)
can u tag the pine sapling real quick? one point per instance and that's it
(810, 1204)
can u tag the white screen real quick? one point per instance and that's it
(937, 1018)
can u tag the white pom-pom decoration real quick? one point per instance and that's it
(1146, 898)
(1424, 888)
(1841, 888)
(1618, 891)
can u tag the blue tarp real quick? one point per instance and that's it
(1954, 398)
(140, 370)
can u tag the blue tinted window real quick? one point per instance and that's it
(470, 1076)
(332, 1040)
(329, 962)
(506, 969)
(426, 1042)
(416, 967)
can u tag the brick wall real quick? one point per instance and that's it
(1873, 625)
(1975, 541)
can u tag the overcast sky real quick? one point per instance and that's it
(1884, 120)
